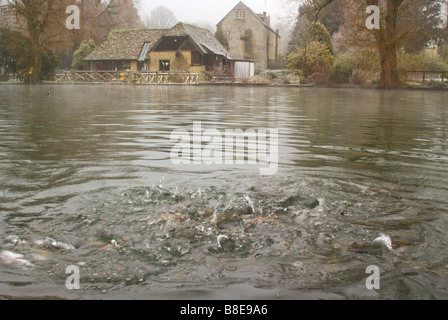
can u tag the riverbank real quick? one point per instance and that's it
(329, 86)
(413, 86)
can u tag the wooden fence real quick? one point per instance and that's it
(129, 77)
(424, 76)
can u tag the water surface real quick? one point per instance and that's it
(89, 166)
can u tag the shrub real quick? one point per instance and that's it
(316, 58)
(359, 76)
(437, 85)
(421, 61)
(343, 68)
(49, 64)
(369, 61)
(443, 52)
(290, 78)
(445, 76)
(345, 65)
(16, 55)
(83, 51)
(260, 79)
(318, 33)
(287, 78)
(320, 77)
(259, 69)
(272, 75)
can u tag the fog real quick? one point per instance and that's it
(211, 12)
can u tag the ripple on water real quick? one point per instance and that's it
(282, 237)
(96, 175)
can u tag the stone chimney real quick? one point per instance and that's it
(265, 18)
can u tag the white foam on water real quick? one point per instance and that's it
(249, 200)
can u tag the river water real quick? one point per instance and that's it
(86, 180)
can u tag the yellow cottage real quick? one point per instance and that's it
(184, 48)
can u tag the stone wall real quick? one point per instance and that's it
(273, 47)
(246, 37)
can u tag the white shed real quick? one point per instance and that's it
(242, 69)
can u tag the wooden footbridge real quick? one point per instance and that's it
(129, 77)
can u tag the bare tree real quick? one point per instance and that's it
(301, 26)
(40, 16)
(398, 23)
(100, 17)
(204, 25)
(161, 18)
(44, 22)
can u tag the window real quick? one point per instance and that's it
(142, 66)
(196, 59)
(125, 65)
(164, 65)
(241, 14)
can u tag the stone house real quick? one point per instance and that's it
(247, 35)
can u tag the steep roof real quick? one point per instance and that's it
(203, 38)
(130, 44)
(253, 13)
(125, 44)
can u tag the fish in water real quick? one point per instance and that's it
(220, 238)
(366, 247)
(14, 259)
(384, 240)
(15, 241)
(55, 244)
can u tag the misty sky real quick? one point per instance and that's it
(212, 11)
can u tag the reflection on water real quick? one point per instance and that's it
(89, 166)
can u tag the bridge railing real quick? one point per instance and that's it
(129, 77)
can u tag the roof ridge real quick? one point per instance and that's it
(253, 13)
(128, 44)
